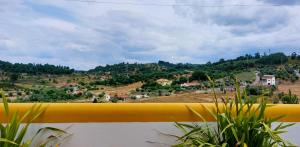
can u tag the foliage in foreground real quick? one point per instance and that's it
(288, 98)
(12, 134)
(239, 123)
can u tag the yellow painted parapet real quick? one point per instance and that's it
(133, 112)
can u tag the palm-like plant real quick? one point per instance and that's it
(290, 98)
(239, 123)
(12, 133)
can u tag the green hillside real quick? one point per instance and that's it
(279, 64)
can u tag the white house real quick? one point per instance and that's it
(107, 97)
(141, 96)
(268, 80)
(190, 84)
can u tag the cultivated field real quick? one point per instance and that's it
(120, 90)
(294, 87)
(183, 98)
(246, 76)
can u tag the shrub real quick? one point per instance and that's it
(81, 83)
(238, 123)
(13, 133)
(95, 101)
(254, 90)
(280, 95)
(290, 98)
(54, 81)
(19, 93)
(88, 95)
(92, 88)
(114, 100)
(69, 81)
(50, 95)
(275, 100)
(101, 95)
(27, 92)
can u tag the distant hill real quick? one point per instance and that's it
(279, 64)
(34, 68)
(125, 73)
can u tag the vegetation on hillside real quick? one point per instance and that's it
(50, 95)
(34, 68)
(278, 64)
(49, 83)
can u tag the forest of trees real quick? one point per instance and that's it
(34, 68)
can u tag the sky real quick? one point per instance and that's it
(84, 34)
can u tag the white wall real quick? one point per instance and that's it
(129, 134)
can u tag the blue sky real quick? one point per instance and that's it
(83, 35)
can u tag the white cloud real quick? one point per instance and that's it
(83, 35)
(54, 24)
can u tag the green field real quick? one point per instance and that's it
(246, 76)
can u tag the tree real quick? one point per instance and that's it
(199, 76)
(34, 68)
(150, 84)
(180, 80)
(257, 55)
(159, 93)
(221, 60)
(265, 54)
(95, 100)
(101, 95)
(248, 56)
(294, 56)
(276, 58)
(14, 77)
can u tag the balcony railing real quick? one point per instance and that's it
(130, 125)
(129, 112)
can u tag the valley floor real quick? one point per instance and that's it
(183, 98)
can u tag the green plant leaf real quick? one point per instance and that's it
(7, 141)
(240, 123)
(5, 103)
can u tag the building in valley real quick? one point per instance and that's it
(190, 84)
(268, 80)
